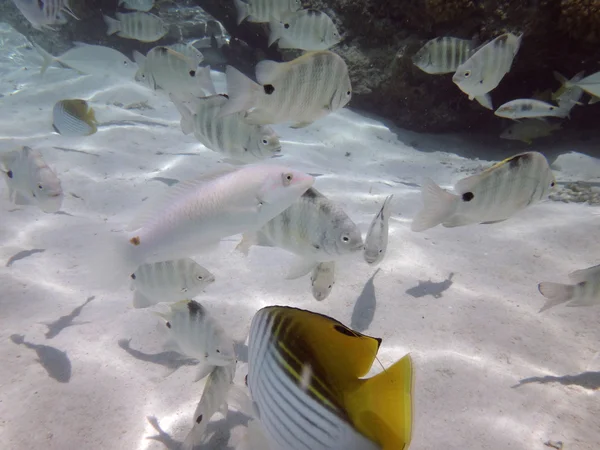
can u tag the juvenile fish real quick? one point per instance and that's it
(443, 54)
(529, 129)
(313, 228)
(322, 280)
(174, 72)
(138, 5)
(141, 26)
(302, 90)
(486, 67)
(43, 14)
(585, 291)
(492, 196)
(168, 281)
(263, 10)
(198, 335)
(307, 29)
(73, 118)
(377, 236)
(529, 108)
(230, 135)
(91, 59)
(30, 180)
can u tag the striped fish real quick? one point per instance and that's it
(491, 196)
(313, 228)
(377, 236)
(322, 280)
(443, 54)
(485, 68)
(302, 90)
(307, 29)
(230, 135)
(73, 118)
(141, 26)
(530, 108)
(43, 14)
(30, 180)
(586, 291)
(168, 281)
(263, 10)
(304, 373)
(198, 335)
(174, 72)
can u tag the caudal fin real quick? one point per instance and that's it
(241, 90)
(242, 10)
(187, 119)
(555, 293)
(381, 407)
(113, 25)
(206, 82)
(48, 58)
(438, 205)
(274, 31)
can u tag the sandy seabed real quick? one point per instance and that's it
(490, 371)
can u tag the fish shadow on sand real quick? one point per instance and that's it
(54, 361)
(163, 437)
(169, 359)
(587, 380)
(65, 321)
(167, 181)
(364, 308)
(428, 287)
(22, 255)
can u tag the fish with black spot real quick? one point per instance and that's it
(530, 108)
(492, 196)
(307, 29)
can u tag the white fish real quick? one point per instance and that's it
(313, 228)
(198, 335)
(491, 196)
(307, 29)
(30, 180)
(586, 291)
(590, 84)
(529, 108)
(230, 135)
(568, 95)
(486, 67)
(263, 10)
(138, 5)
(322, 280)
(43, 14)
(74, 118)
(173, 72)
(91, 59)
(443, 54)
(302, 90)
(377, 236)
(141, 26)
(193, 216)
(168, 281)
(529, 129)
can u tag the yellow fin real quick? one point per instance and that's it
(380, 407)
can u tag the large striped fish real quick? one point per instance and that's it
(586, 291)
(304, 377)
(263, 11)
(302, 90)
(491, 196)
(307, 29)
(74, 118)
(230, 135)
(141, 26)
(443, 54)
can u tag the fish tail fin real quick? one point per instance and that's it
(187, 118)
(248, 240)
(67, 8)
(206, 82)
(438, 205)
(113, 25)
(48, 58)
(381, 407)
(275, 31)
(561, 78)
(242, 10)
(114, 260)
(555, 293)
(254, 437)
(141, 301)
(241, 90)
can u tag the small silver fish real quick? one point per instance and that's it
(529, 129)
(443, 54)
(322, 280)
(377, 236)
(74, 118)
(492, 196)
(263, 10)
(307, 29)
(168, 281)
(138, 5)
(586, 291)
(30, 180)
(141, 26)
(529, 108)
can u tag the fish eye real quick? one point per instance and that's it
(467, 74)
(200, 277)
(287, 178)
(552, 184)
(168, 324)
(286, 25)
(345, 238)
(125, 63)
(348, 93)
(40, 187)
(264, 141)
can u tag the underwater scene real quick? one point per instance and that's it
(299, 224)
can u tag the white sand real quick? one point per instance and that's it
(471, 344)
